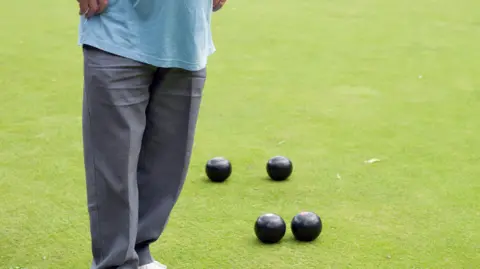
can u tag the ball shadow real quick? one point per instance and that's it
(208, 181)
(267, 178)
(291, 240)
(257, 243)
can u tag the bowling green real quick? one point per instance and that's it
(377, 104)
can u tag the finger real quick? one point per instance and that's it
(83, 4)
(102, 5)
(92, 8)
(221, 2)
(219, 5)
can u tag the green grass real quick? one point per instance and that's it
(328, 83)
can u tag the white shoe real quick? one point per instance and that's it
(153, 265)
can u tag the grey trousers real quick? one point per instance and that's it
(138, 130)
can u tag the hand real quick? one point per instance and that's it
(218, 4)
(89, 8)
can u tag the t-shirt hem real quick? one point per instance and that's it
(141, 57)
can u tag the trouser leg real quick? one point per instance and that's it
(116, 94)
(172, 114)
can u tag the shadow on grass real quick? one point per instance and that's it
(208, 181)
(292, 240)
(257, 243)
(267, 178)
(286, 241)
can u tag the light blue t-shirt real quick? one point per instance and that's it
(162, 33)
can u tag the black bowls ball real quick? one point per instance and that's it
(306, 226)
(270, 228)
(218, 169)
(279, 168)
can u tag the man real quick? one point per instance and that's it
(144, 72)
